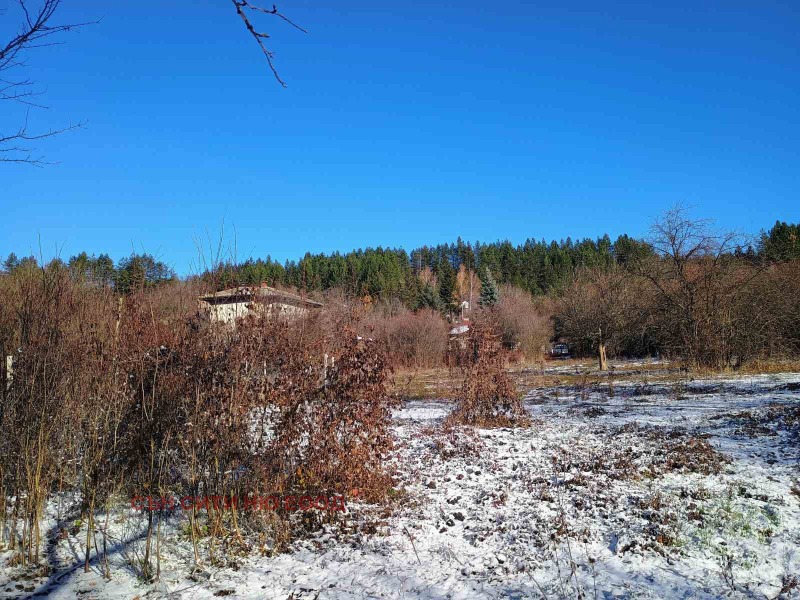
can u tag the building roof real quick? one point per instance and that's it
(263, 293)
(460, 329)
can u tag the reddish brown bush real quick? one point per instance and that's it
(487, 397)
(331, 437)
(525, 325)
(138, 395)
(413, 339)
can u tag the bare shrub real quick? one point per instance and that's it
(36, 406)
(254, 411)
(525, 324)
(331, 437)
(140, 396)
(769, 314)
(59, 409)
(487, 397)
(340, 310)
(604, 309)
(413, 339)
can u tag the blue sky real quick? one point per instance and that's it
(404, 124)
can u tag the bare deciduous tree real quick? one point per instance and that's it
(596, 311)
(37, 29)
(525, 323)
(699, 282)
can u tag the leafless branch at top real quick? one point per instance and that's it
(260, 37)
(33, 30)
(36, 30)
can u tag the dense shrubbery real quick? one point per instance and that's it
(120, 396)
(414, 339)
(524, 322)
(698, 298)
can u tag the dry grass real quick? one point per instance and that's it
(418, 384)
(441, 382)
(761, 366)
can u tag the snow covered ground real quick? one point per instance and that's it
(634, 490)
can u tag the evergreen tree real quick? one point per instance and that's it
(781, 243)
(447, 285)
(80, 266)
(11, 263)
(141, 270)
(627, 250)
(428, 298)
(103, 270)
(489, 294)
(56, 265)
(28, 262)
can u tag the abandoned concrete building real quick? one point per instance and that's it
(228, 305)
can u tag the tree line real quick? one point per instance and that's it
(128, 274)
(540, 267)
(426, 277)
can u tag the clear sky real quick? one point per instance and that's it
(405, 123)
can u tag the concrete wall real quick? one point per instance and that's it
(229, 312)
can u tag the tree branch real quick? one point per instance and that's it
(35, 31)
(258, 36)
(11, 144)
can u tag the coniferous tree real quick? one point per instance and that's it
(103, 270)
(447, 285)
(141, 270)
(781, 243)
(80, 267)
(10, 263)
(428, 298)
(28, 262)
(489, 294)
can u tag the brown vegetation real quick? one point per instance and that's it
(121, 396)
(413, 339)
(487, 397)
(694, 299)
(525, 323)
(115, 395)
